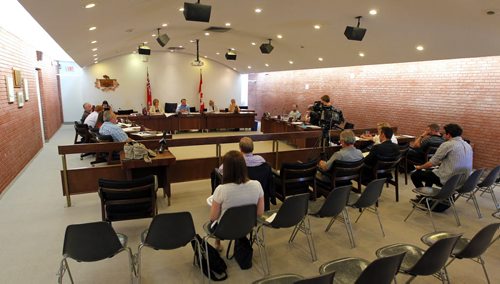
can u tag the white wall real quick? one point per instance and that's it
(172, 78)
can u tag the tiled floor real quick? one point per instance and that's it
(33, 217)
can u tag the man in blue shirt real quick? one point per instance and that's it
(109, 127)
(183, 107)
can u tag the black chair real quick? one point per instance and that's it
(236, 223)
(102, 157)
(192, 109)
(243, 107)
(340, 174)
(418, 262)
(467, 189)
(292, 213)
(170, 107)
(428, 153)
(295, 178)
(264, 175)
(279, 279)
(124, 111)
(489, 183)
(92, 242)
(360, 271)
(320, 279)
(368, 200)
(82, 130)
(433, 196)
(167, 232)
(128, 199)
(403, 151)
(465, 248)
(332, 207)
(385, 168)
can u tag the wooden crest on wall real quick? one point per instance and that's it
(106, 84)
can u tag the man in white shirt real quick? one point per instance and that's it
(295, 113)
(91, 119)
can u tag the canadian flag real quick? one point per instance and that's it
(148, 91)
(202, 104)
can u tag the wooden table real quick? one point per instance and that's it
(159, 165)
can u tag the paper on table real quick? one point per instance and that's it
(313, 127)
(209, 200)
(271, 218)
(131, 129)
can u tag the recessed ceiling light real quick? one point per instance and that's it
(180, 46)
(218, 53)
(290, 61)
(145, 42)
(419, 48)
(317, 27)
(94, 41)
(249, 67)
(94, 55)
(253, 43)
(205, 56)
(234, 68)
(320, 58)
(279, 36)
(258, 10)
(373, 12)
(181, 9)
(134, 51)
(361, 54)
(232, 48)
(207, 33)
(164, 25)
(228, 24)
(95, 62)
(153, 35)
(92, 28)
(267, 65)
(191, 40)
(96, 59)
(90, 5)
(94, 49)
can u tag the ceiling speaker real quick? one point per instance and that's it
(163, 39)
(197, 12)
(231, 55)
(354, 33)
(144, 50)
(266, 48)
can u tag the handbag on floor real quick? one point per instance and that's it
(243, 252)
(217, 265)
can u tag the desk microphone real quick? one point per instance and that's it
(163, 143)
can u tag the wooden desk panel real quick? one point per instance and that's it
(190, 121)
(229, 120)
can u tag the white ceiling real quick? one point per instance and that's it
(446, 28)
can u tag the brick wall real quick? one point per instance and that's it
(51, 98)
(407, 95)
(20, 132)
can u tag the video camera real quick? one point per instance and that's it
(326, 116)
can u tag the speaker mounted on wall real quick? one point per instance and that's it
(162, 39)
(197, 12)
(355, 33)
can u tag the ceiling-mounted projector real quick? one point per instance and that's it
(266, 48)
(355, 33)
(230, 55)
(144, 50)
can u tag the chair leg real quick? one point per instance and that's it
(478, 211)
(411, 279)
(330, 224)
(205, 241)
(429, 209)
(481, 261)
(62, 269)
(294, 232)
(131, 261)
(310, 241)
(379, 222)
(362, 210)
(414, 207)
(493, 196)
(138, 263)
(454, 211)
(259, 239)
(348, 226)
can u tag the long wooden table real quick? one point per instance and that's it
(179, 122)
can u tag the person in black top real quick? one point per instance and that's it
(430, 138)
(385, 151)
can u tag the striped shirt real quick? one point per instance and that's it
(251, 160)
(453, 157)
(115, 131)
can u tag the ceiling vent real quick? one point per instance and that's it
(217, 29)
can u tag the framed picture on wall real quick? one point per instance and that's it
(11, 95)
(26, 91)
(17, 78)
(20, 99)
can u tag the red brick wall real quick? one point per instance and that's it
(20, 132)
(51, 98)
(407, 95)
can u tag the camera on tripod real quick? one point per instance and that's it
(327, 117)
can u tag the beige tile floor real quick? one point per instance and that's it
(33, 217)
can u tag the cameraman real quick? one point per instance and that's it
(330, 116)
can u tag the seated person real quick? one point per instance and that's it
(87, 109)
(233, 107)
(429, 138)
(376, 138)
(92, 118)
(156, 108)
(183, 107)
(212, 107)
(105, 105)
(294, 114)
(236, 189)
(109, 127)
(348, 153)
(385, 151)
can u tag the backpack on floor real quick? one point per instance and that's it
(217, 265)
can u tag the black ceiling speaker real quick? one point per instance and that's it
(266, 48)
(162, 39)
(231, 55)
(144, 50)
(197, 12)
(355, 33)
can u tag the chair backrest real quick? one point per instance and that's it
(335, 202)
(91, 241)
(371, 194)
(170, 107)
(403, 148)
(128, 199)
(298, 172)
(170, 231)
(449, 187)
(236, 222)
(83, 130)
(342, 170)
(430, 152)
(320, 279)
(263, 174)
(435, 257)
(292, 211)
(471, 182)
(490, 179)
(381, 270)
(385, 165)
(192, 109)
(479, 243)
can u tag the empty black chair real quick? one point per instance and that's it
(431, 197)
(326, 278)
(264, 175)
(92, 242)
(465, 248)
(295, 178)
(170, 107)
(166, 232)
(467, 189)
(340, 174)
(332, 207)
(192, 109)
(292, 213)
(279, 279)
(368, 200)
(489, 183)
(418, 262)
(361, 271)
(128, 199)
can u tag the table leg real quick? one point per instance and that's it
(166, 187)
